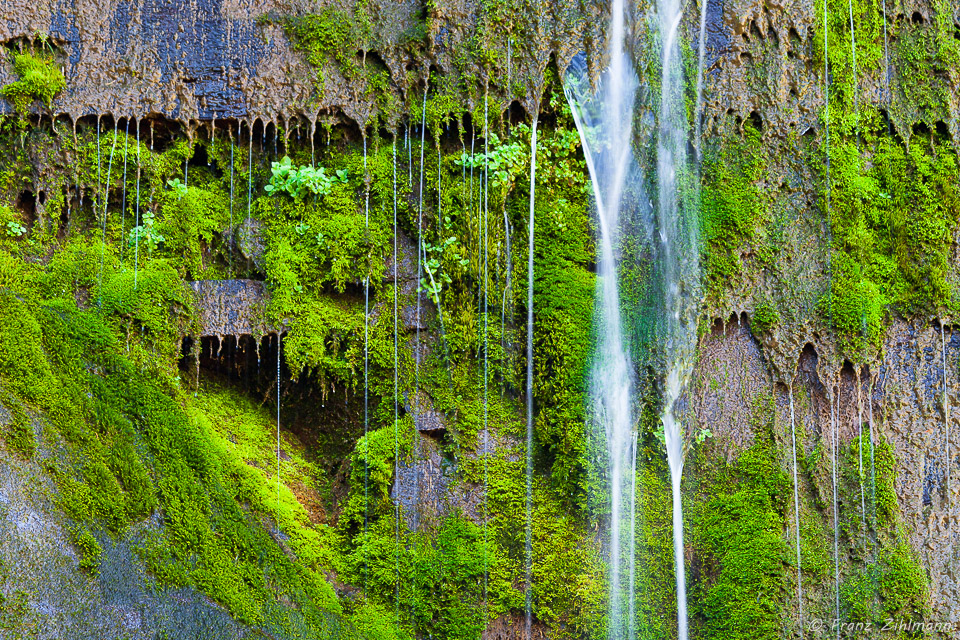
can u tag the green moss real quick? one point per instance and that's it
(90, 549)
(18, 432)
(732, 205)
(327, 36)
(39, 79)
(742, 540)
(892, 229)
(765, 317)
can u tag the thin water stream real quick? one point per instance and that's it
(796, 506)
(530, 234)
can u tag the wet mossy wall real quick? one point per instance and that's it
(104, 219)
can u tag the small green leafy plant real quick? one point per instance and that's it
(146, 233)
(15, 229)
(179, 188)
(290, 179)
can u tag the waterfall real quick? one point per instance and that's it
(796, 504)
(605, 124)
(680, 267)
(528, 545)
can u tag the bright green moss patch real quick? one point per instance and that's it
(892, 234)
(743, 541)
(39, 79)
(90, 550)
(732, 205)
(765, 317)
(18, 431)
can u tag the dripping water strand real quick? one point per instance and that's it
(873, 490)
(856, 98)
(136, 250)
(366, 364)
(702, 56)
(833, 411)
(423, 133)
(796, 506)
(484, 188)
(834, 450)
(530, 242)
(123, 198)
(247, 229)
(279, 339)
(232, 230)
(946, 422)
(632, 567)
(507, 287)
(860, 476)
(396, 390)
(106, 203)
(886, 63)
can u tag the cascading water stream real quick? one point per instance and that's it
(796, 505)
(604, 122)
(680, 268)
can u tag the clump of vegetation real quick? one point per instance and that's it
(18, 432)
(293, 180)
(765, 317)
(732, 205)
(90, 549)
(39, 79)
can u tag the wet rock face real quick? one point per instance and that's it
(39, 568)
(921, 422)
(901, 401)
(207, 59)
(731, 374)
(230, 307)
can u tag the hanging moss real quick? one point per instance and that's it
(39, 79)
